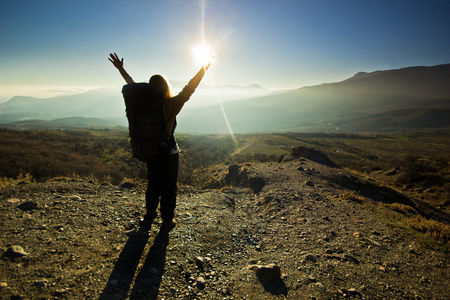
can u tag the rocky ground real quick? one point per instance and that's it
(253, 231)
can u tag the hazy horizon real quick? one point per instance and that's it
(54, 47)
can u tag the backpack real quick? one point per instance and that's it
(145, 116)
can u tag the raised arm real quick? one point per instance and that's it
(118, 63)
(195, 81)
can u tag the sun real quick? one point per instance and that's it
(203, 53)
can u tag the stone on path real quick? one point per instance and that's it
(43, 283)
(201, 282)
(271, 272)
(13, 200)
(15, 251)
(28, 205)
(199, 261)
(311, 257)
(309, 183)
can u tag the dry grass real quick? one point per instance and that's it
(431, 233)
(21, 179)
(433, 230)
(351, 196)
(401, 208)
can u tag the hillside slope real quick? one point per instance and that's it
(312, 219)
(344, 106)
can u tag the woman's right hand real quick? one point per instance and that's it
(209, 62)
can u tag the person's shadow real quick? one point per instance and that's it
(149, 278)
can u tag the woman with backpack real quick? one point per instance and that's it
(163, 169)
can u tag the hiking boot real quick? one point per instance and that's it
(147, 222)
(168, 225)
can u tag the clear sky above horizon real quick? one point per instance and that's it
(50, 47)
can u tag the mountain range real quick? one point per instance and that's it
(413, 98)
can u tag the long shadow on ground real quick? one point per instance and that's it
(121, 277)
(148, 280)
(385, 194)
(122, 281)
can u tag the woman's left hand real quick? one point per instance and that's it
(118, 63)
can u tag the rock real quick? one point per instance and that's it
(3, 284)
(13, 200)
(84, 271)
(199, 262)
(271, 272)
(309, 183)
(357, 234)
(28, 205)
(320, 285)
(187, 275)
(350, 258)
(75, 198)
(201, 282)
(225, 292)
(349, 292)
(59, 293)
(59, 227)
(311, 257)
(43, 283)
(253, 267)
(15, 251)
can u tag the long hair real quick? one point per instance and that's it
(162, 83)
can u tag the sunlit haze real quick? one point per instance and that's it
(52, 47)
(203, 53)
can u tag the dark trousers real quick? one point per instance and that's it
(162, 185)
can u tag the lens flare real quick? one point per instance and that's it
(204, 54)
(230, 130)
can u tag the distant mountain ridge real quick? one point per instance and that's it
(104, 103)
(413, 98)
(418, 81)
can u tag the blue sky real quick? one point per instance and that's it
(48, 47)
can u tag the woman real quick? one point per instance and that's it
(163, 171)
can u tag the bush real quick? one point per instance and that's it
(434, 230)
(45, 154)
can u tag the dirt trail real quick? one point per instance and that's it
(81, 240)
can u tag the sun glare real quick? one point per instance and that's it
(203, 54)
